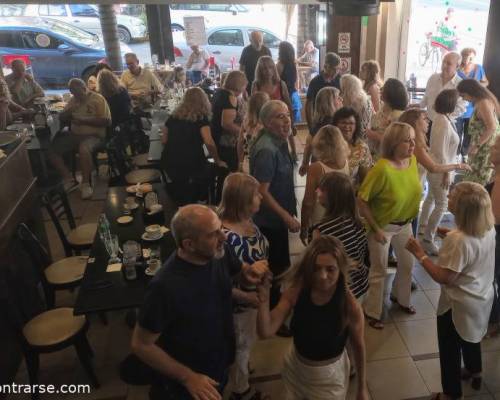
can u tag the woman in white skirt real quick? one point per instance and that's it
(325, 315)
(465, 269)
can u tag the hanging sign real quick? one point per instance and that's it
(345, 65)
(194, 30)
(344, 42)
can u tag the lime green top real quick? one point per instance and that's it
(392, 194)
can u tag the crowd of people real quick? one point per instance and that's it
(368, 156)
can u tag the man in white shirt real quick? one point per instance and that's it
(446, 79)
(197, 64)
(141, 83)
(310, 58)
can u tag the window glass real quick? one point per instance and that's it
(226, 37)
(82, 10)
(40, 41)
(12, 10)
(43, 9)
(10, 39)
(270, 40)
(57, 10)
(217, 7)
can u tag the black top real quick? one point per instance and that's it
(289, 76)
(316, 329)
(119, 106)
(191, 307)
(249, 58)
(317, 126)
(318, 82)
(220, 102)
(183, 154)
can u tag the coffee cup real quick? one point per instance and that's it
(130, 201)
(154, 264)
(153, 231)
(155, 208)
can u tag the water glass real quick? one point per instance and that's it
(131, 249)
(112, 246)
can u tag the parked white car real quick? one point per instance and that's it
(225, 43)
(86, 16)
(215, 14)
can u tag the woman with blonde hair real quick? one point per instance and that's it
(327, 101)
(267, 79)
(372, 83)
(240, 201)
(250, 128)
(465, 270)
(483, 129)
(110, 87)
(354, 96)
(183, 157)
(389, 199)
(332, 153)
(325, 315)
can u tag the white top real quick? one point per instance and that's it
(319, 211)
(199, 62)
(444, 140)
(470, 296)
(433, 88)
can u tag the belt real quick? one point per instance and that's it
(321, 363)
(401, 223)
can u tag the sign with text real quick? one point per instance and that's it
(344, 42)
(345, 65)
(194, 30)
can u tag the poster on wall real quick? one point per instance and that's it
(344, 42)
(345, 65)
(194, 30)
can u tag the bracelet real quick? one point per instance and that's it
(424, 257)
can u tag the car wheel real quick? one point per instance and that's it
(86, 74)
(177, 28)
(124, 35)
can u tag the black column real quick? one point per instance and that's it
(160, 32)
(492, 48)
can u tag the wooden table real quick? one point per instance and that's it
(120, 293)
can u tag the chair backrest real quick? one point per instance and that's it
(39, 257)
(57, 205)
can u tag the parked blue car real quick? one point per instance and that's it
(57, 51)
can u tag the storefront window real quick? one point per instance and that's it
(436, 27)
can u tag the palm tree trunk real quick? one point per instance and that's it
(110, 36)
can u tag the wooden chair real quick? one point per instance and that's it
(64, 274)
(79, 237)
(39, 330)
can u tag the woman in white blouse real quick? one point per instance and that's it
(443, 148)
(465, 269)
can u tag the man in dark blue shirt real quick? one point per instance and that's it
(185, 326)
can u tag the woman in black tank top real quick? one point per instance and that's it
(325, 315)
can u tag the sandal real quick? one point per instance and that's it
(408, 310)
(374, 323)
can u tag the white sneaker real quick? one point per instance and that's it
(86, 191)
(429, 247)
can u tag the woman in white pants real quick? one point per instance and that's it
(325, 316)
(443, 148)
(389, 199)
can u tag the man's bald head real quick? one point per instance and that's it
(256, 39)
(189, 221)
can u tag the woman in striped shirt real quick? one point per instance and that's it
(336, 193)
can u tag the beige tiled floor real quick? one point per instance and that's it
(402, 359)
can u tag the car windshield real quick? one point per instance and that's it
(77, 35)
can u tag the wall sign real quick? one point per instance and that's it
(345, 65)
(344, 42)
(194, 30)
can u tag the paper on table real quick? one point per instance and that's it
(114, 267)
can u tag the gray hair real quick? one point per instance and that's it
(332, 59)
(185, 223)
(131, 55)
(76, 82)
(269, 109)
(454, 55)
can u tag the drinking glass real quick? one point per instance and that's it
(112, 246)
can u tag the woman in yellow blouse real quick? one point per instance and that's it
(389, 199)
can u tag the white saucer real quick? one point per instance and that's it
(124, 219)
(148, 272)
(133, 207)
(148, 239)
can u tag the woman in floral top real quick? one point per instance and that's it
(240, 201)
(483, 129)
(360, 159)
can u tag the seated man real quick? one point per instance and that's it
(141, 83)
(308, 63)
(88, 115)
(23, 87)
(185, 328)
